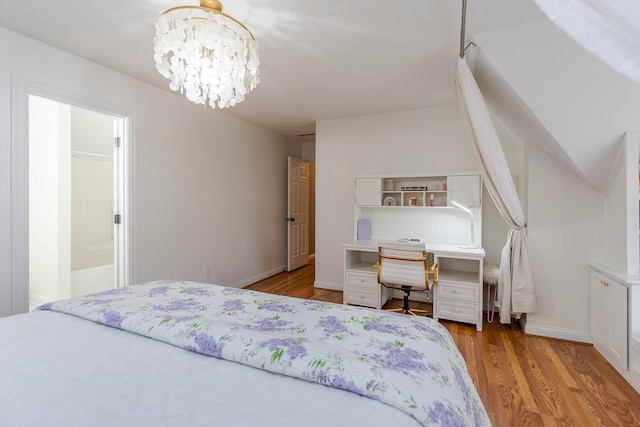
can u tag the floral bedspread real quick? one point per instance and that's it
(408, 362)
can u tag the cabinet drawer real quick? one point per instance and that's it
(361, 295)
(362, 279)
(362, 289)
(459, 311)
(458, 291)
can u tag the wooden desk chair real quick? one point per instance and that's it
(405, 266)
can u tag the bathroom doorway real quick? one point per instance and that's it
(76, 186)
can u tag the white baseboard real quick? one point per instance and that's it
(328, 285)
(558, 333)
(259, 277)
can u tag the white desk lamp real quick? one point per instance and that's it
(466, 209)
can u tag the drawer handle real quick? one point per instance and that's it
(457, 310)
(362, 280)
(455, 291)
(604, 283)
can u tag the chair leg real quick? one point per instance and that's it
(411, 311)
(405, 309)
(405, 303)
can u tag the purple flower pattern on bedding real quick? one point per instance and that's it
(407, 362)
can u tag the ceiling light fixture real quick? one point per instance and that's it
(207, 54)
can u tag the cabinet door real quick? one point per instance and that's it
(465, 189)
(368, 192)
(599, 307)
(609, 319)
(618, 336)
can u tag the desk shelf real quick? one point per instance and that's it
(363, 266)
(458, 276)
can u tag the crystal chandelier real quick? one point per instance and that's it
(207, 54)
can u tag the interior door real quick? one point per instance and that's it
(298, 214)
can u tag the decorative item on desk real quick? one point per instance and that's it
(389, 185)
(364, 229)
(389, 201)
(441, 186)
(432, 200)
(413, 201)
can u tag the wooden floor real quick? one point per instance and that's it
(523, 380)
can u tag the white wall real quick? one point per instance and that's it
(433, 140)
(49, 200)
(564, 211)
(565, 232)
(210, 190)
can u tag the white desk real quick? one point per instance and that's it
(458, 296)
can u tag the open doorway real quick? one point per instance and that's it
(71, 196)
(72, 200)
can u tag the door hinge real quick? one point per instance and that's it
(117, 141)
(117, 219)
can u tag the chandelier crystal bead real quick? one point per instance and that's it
(207, 55)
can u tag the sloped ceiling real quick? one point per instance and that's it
(555, 94)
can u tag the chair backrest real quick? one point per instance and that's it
(403, 264)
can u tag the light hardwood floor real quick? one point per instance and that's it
(523, 380)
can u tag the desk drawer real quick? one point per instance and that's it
(362, 295)
(362, 279)
(459, 311)
(458, 291)
(362, 289)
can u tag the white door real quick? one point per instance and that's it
(298, 214)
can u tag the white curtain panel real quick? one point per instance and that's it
(516, 291)
(610, 29)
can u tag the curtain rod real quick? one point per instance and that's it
(462, 27)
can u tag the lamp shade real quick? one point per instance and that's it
(207, 55)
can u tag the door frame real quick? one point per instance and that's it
(20, 91)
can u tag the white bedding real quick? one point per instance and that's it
(172, 353)
(60, 370)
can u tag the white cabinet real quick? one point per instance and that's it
(459, 291)
(367, 191)
(609, 318)
(615, 284)
(465, 189)
(457, 296)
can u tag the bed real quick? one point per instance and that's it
(172, 353)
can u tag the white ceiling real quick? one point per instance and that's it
(340, 58)
(319, 59)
